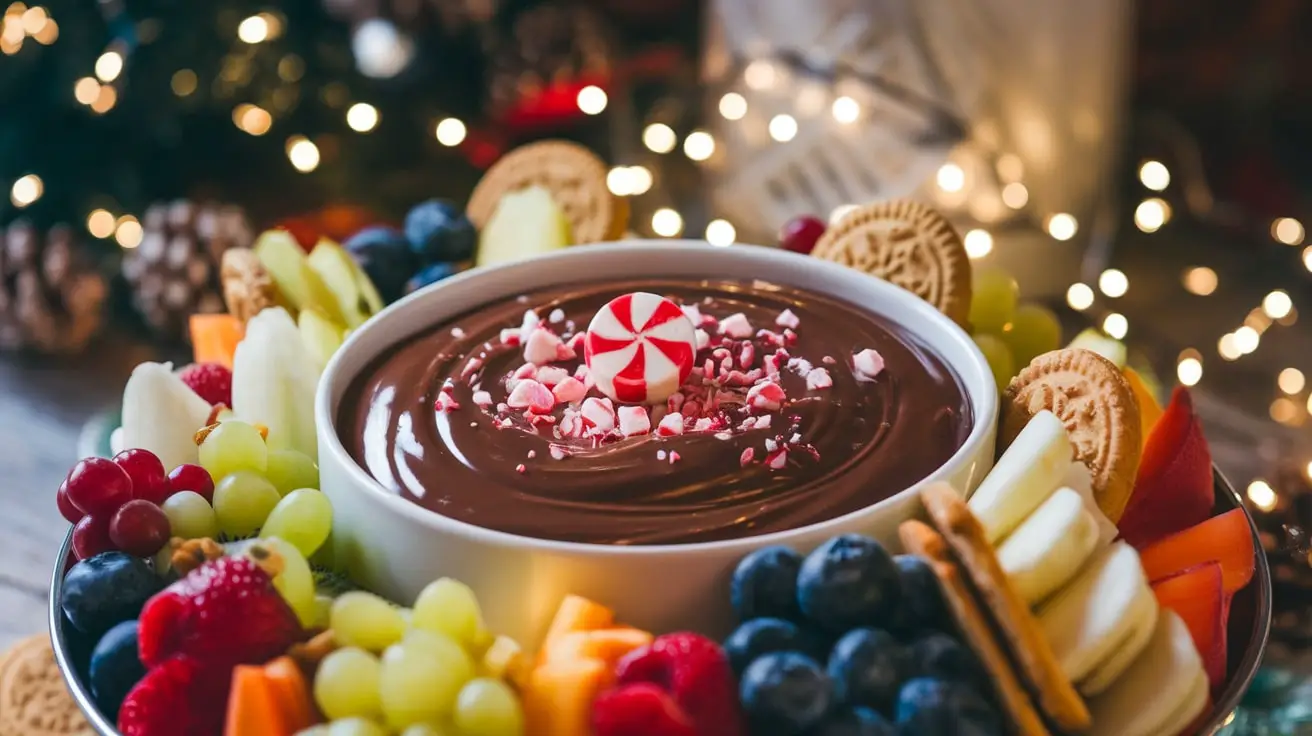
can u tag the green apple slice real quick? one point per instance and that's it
(1108, 347)
(322, 336)
(526, 223)
(354, 294)
(299, 284)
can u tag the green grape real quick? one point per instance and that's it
(303, 517)
(295, 582)
(242, 501)
(488, 707)
(427, 729)
(999, 357)
(421, 677)
(449, 607)
(993, 300)
(323, 606)
(233, 446)
(290, 469)
(190, 516)
(364, 620)
(355, 727)
(346, 684)
(1034, 331)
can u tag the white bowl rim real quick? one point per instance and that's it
(984, 407)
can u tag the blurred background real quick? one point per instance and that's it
(1139, 168)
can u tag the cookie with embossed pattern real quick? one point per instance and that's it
(1091, 397)
(33, 698)
(575, 177)
(908, 244)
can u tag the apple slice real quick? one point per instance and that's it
(1225, 539)
(298, 283)
(1198, 596)
(1173, 490)
(1109, 348)
(357, 299)
(322, 336)
(526, 223)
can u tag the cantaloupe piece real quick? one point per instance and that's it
(558, 699)
(214, 338)
(291, 692)
(577, 613)
(607, 645)
(252, 706)
(1149, 408)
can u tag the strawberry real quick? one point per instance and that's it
(640, 709)
(693, 670)
(210, 381)
(1173, 490)
(179, 696)
(225, 612)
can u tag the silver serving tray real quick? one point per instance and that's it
(1249, 626)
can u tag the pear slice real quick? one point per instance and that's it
(321, 335)
(162, 414)
(341, 275)
(300, 285)
(1108, 347)
(526, 223)
(274, 377)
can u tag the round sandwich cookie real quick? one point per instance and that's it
(1095, 403)
(908, 244)
(575, 177)
(33, 698)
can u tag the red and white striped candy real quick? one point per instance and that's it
(640, 348)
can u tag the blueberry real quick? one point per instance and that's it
(115, 667)
(930, 707)
(868, 667)
(856, 721)
(430, 275)
(764, 635)
(921, 604)
(784, 693)
(107, 589)
(765, 584)
(440, 231)
(848, 582)
(385, 256)
(941, 656)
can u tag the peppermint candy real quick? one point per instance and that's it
(640, 348)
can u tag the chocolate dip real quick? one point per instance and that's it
(414, 421)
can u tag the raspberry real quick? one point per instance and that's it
(224, 612)
(210, 381)
(179, 696)
(696, 672)
(641, 709)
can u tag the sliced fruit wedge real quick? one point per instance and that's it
(1225, 539)
(1198, 596)
(298, 283)
(1173, 490)
(356, 298)
(322, 336)
(526, 223)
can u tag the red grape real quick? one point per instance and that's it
(91, 537)
(801, 233)
(66, 507)
(147, 473)
(139, 528)
(98, 486)
(192, 478)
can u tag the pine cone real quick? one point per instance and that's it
(175, 271)
(50, 300)
(551, 43)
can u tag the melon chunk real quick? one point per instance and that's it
(558, 699)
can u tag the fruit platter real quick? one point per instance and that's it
(839, 487)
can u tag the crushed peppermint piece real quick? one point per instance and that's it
(693, 313)
(483, 398)
(557, 315)
(675, 401)
(786, 318)
(828, 360)
(569, 390)
(771, 445)
(818, 378)
(532, 454)
(527, 370)
(521, 469)
(558, 452)
(766, 396)
(720, 353)
(773, 338)
(702, 338)
(800, 366)
(470, 368)
(542, 346)
(633, 420)
(790, 337)
(723, 435)
(445, 402)
(510, 337)
(550, 375)
(457, 333)
(575, 343)
(762, 422)
(747, 355)
(674, 457)
(745, 459)
(571, 424)
(502, 407)
(868, 364)
(473, 424)
(796, 438)
(777, 459)
(736, 326)
(504, 422)
(598, 415)
(530, 323)
(660, 454)
(531, 395)
(703, 424)
(670, 425)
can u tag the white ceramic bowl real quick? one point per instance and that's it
(396, 547)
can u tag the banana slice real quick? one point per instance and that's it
(1025, 475)
(1048, 549)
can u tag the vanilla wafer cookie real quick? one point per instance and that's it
(33, 698)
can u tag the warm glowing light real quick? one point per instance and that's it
(183, 82)
(592, 100)
(1154, 175)
(720, 232)
(1015, 195)
(1285, 411)
(253, 29)
(1116, 325)
(1062, 226)
(951, 178)
(759, 75)
(34, 20)
(1113, 283)
(1189, 371)
(48, 34)
(659, 138)
(106, 96)
(840, 212)
(1291, 380)
(252, 119)
(978, 243)
(303, 154)
(846, 110)
(128, 233)
(100, 223)
(1151, 214)
(733, 106)
(1079, 297)
(450, 132)
(26, 190)
(362, 117)
(783, 128)
(640, 180)
(109, 66)
(1247, 339)
(1288, 231)
(1228, 347)
(1262, 495)
(86, 90)
(666, 222)
(1200, 280)
(1277, 304)
(699, 145)
(619, 181)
